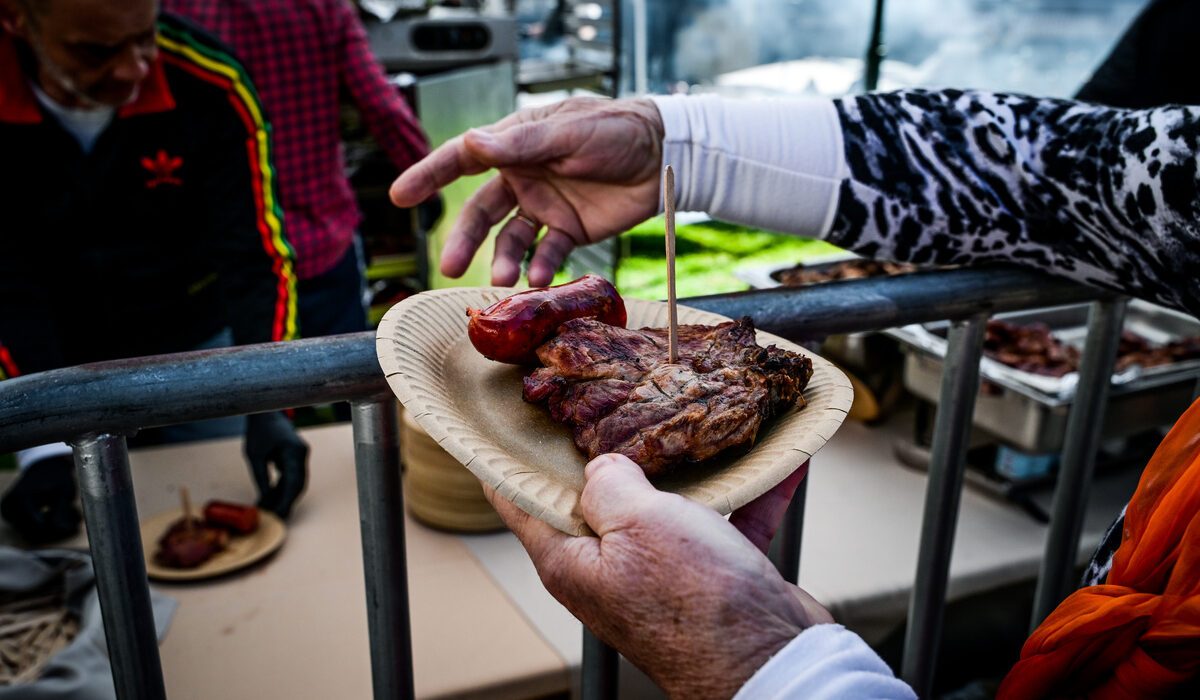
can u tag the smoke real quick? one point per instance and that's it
(1037, 46)
(715, 36)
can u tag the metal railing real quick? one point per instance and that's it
(94, 407)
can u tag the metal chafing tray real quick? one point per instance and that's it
(1028, 411)
(872, 359)
(852, 349)
(767, 276)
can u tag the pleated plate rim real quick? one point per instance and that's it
(415, 336)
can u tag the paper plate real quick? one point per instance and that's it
(243, 550)
(473, 408)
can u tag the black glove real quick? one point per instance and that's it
(40, 506)
(271, 439)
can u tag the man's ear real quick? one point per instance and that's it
(12, 18)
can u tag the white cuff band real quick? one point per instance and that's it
(774, 164)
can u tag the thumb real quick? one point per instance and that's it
(262, 481)
(293, 477)
(616, 495)
(257, 459)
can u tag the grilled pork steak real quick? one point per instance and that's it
(616, 390)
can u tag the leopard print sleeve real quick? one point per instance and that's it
(1104, 196)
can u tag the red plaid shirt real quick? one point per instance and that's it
(300, 55)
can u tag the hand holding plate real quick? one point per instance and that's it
(669, 583)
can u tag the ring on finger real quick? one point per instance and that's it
(528, 220)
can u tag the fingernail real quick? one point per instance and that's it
(601, 462)
(396, 194)
(504, 273)
(538, 276)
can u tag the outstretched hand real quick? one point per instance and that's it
(586, 168)
(677, 589)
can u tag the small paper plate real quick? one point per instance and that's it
(474, 409)
(243, 550)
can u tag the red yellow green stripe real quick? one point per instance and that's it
(219, 68)
(8, 366)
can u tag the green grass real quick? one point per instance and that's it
(706, 254)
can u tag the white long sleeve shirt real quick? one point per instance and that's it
(825, 662)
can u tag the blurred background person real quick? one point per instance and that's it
(140, 220)
(302, 56)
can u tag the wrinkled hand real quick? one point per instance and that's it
(587, 168)
(271, 439)
(677, 589)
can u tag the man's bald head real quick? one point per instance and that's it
(31, 9)
(89, 53)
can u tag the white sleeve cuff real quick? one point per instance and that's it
(825, 662)
(773, 164)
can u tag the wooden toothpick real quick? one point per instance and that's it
(187, 509)
(672, 323)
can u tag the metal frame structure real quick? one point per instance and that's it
(94, 407)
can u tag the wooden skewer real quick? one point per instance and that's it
(672, 322)
(187, 509)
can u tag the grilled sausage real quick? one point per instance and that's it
(239, 518)
(512, 329)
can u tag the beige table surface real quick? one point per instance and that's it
(295, 625)
(483, 626)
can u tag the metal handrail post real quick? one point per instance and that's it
(785, 551)
(118, 397)
(124, 396)
(381, 518)
(947, 461)
(875, 303)
(599, 670)
(1078, 462)
(106, 490)
(876, 49)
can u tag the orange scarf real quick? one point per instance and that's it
(1138, 634)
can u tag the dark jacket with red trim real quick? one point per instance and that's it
(165, 233)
